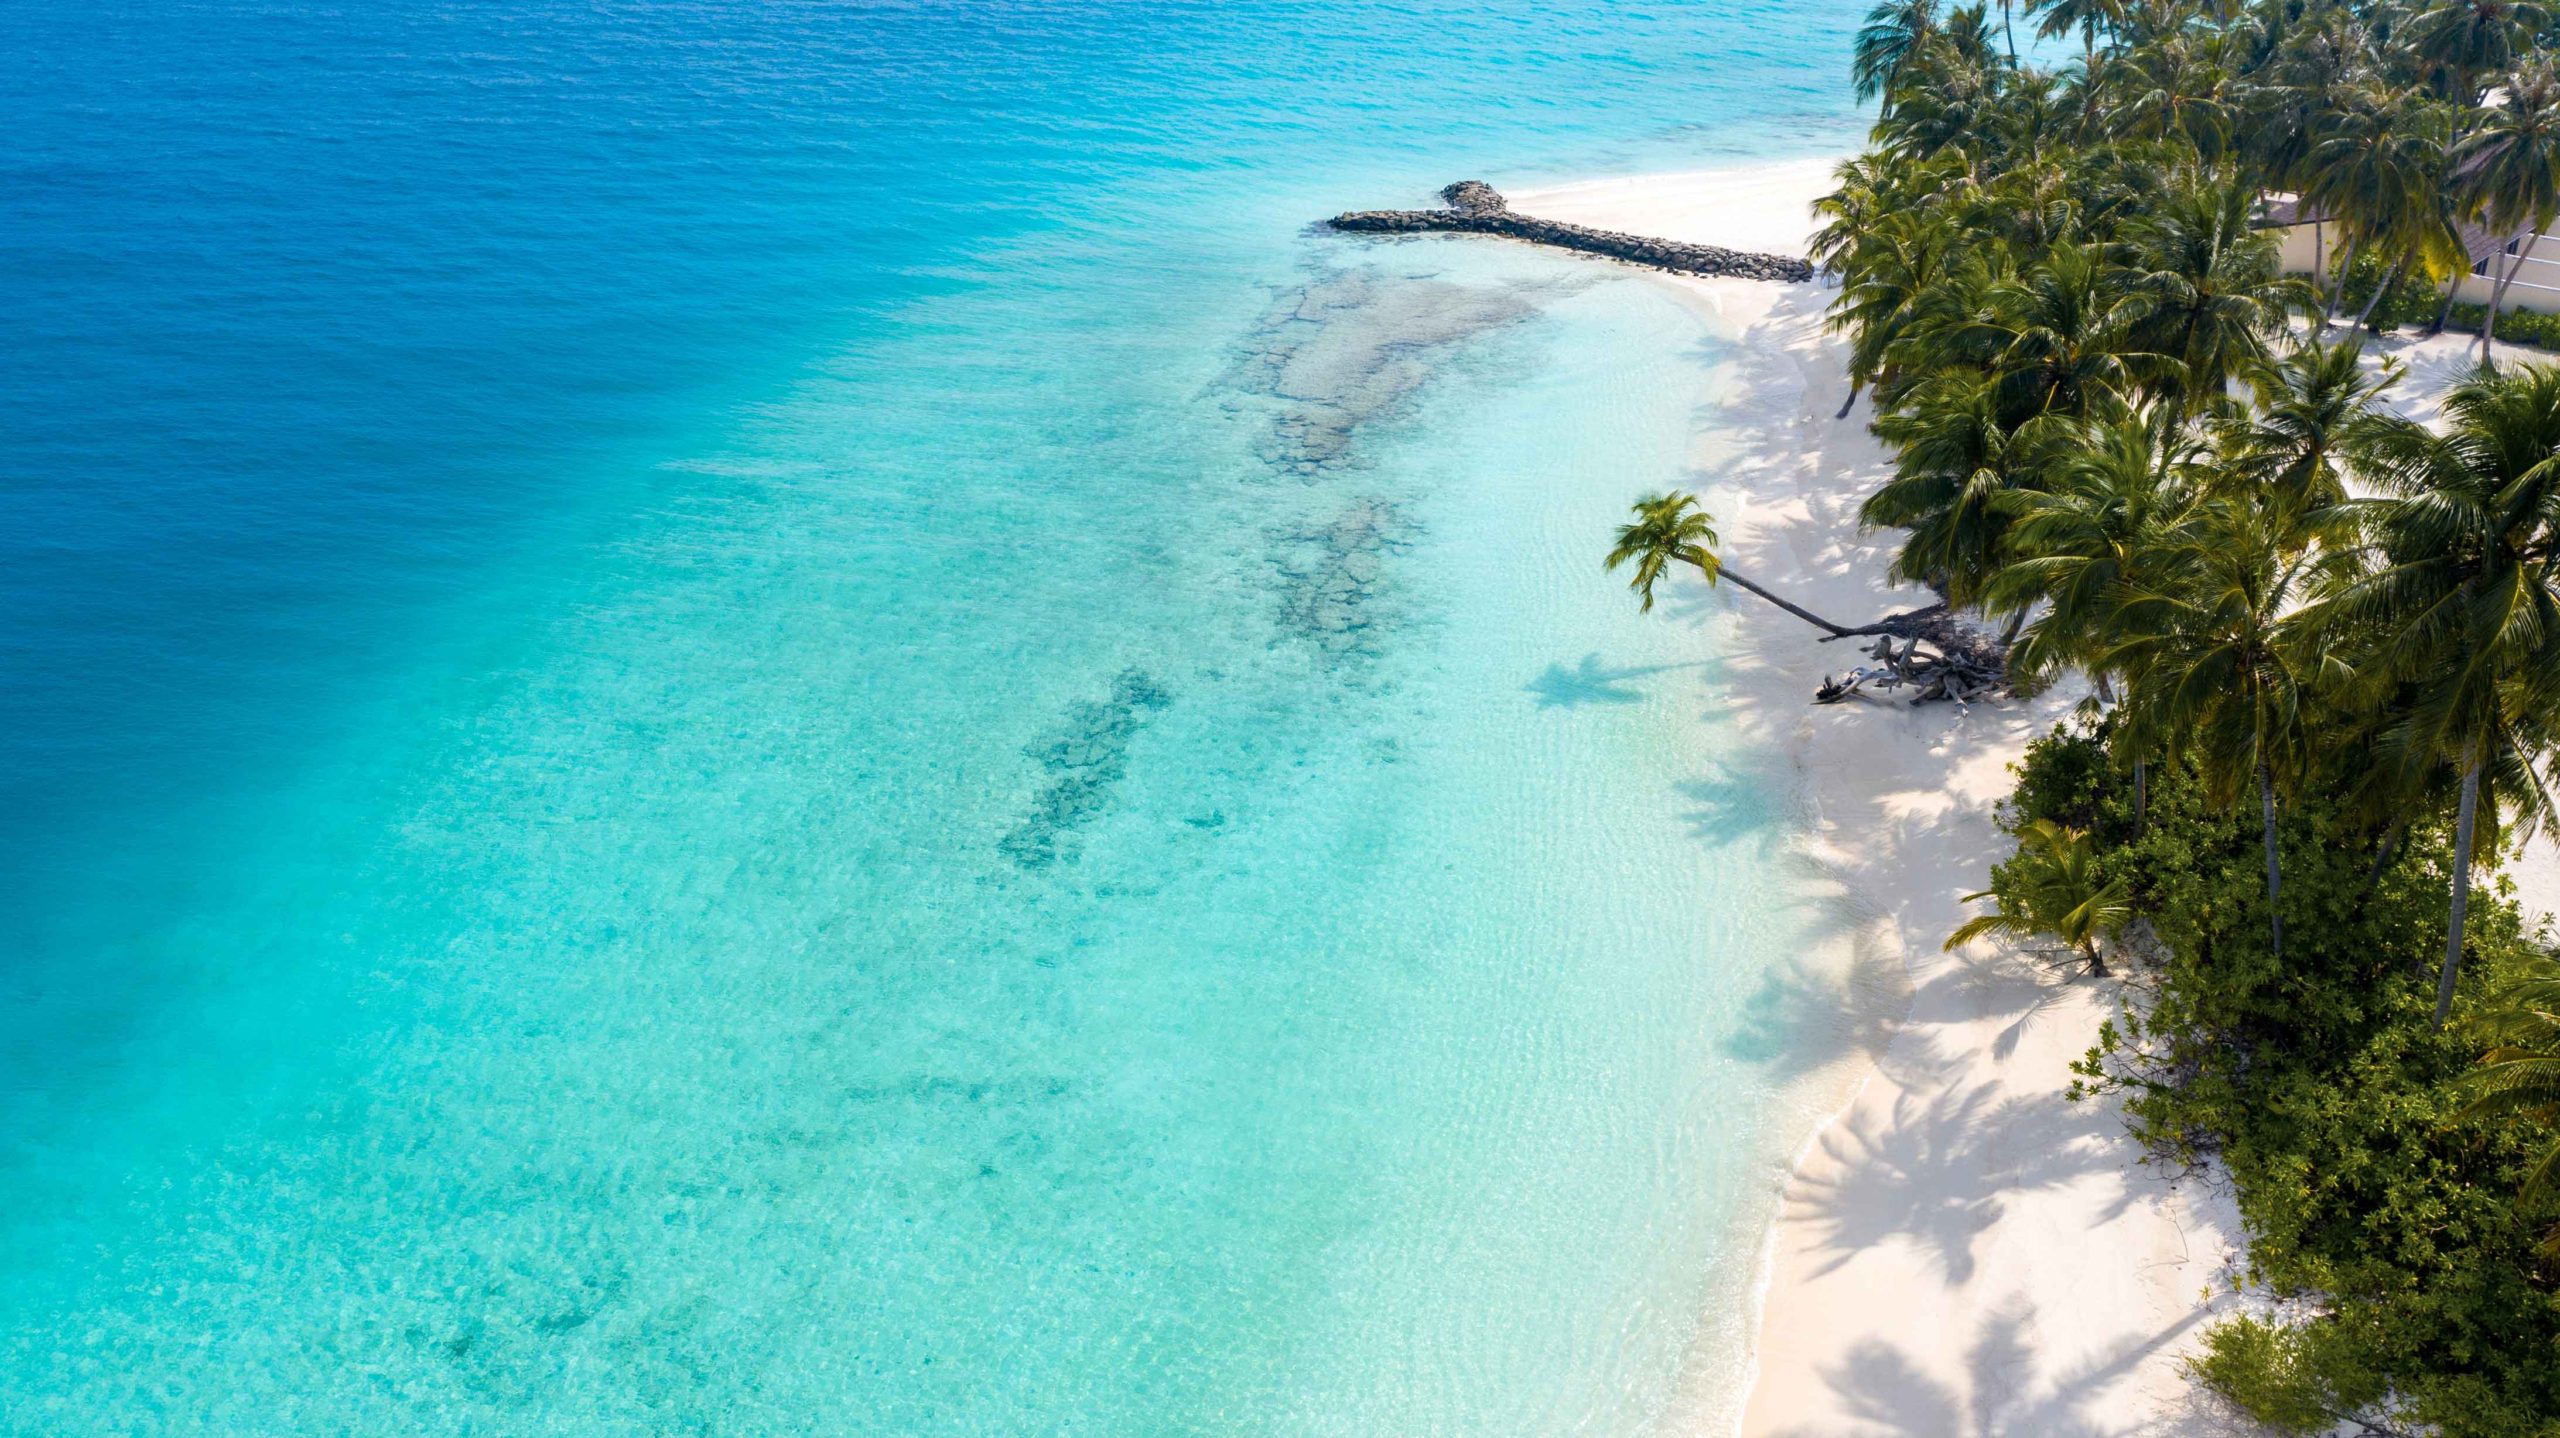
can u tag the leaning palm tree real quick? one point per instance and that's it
(2459, 604)
(2520, 1074)
(2052, 887)
(2510, 172)
(1671, 529)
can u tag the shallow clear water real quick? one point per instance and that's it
(785, 718)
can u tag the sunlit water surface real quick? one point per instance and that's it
(785, 718)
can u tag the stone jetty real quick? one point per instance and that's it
(1476, 208)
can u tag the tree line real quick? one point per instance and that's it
(2321, 639)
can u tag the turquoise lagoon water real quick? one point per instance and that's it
(786, 719)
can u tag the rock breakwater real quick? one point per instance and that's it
(1476, 208)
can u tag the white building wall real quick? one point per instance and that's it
(2536, 287)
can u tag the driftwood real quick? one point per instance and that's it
(1960, 662)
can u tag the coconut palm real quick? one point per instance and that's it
(2077, 546)
(1672, 529)
(2375, 169)
(2460, 605)
(1891, 276)
(1860, 200)
(2315, 419)
(2052, 887)
(2062, 337)
(2510, 172)
(2461, 41)
(2520, 1073)
(2178, 89)
(1954, 460)
(2089, 17)
(2217, 675)
(2205, 289)
(1894, 31)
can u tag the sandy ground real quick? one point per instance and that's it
(1961, 1252)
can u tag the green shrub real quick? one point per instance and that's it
(2322, 1086)
(2414, 300)
(2515, 326)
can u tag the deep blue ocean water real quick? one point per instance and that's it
(725, 718)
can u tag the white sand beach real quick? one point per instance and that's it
(1960, 1250)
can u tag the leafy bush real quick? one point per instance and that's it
(2515, 326)
(2323, 1087)
(2414, 300)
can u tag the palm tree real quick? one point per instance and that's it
(2460, 603)
(2178, 89)
(2078, 546)
(2315, 419)
(1671, 529)
(2052, 887)
(2217, 673)
(1894, 31)
(1954, 460)
(2206, 289)
(2375, 170)
(2089, 17)
(2510, 169)
(2461, 40)
(1863, 196)
(1891, 276)
(2063, 338)
(2520, 1074)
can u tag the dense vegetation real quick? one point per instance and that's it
(2373, 1191)
(2323, 642)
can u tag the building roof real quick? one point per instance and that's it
(2276, 212)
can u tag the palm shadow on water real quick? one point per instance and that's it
(1592, 682)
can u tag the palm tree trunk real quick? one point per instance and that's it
(2464, 822)
(2338, 291)
(2445, 311)
(1807, 615)
(2392, 277)
(2275, 875)
(1850, 403)
(2097, 961)
(2489, 322)
(2382, 858)
(2319, 251)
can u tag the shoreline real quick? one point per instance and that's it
(1953, 1242)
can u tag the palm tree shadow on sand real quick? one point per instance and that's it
(1887, 1393)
